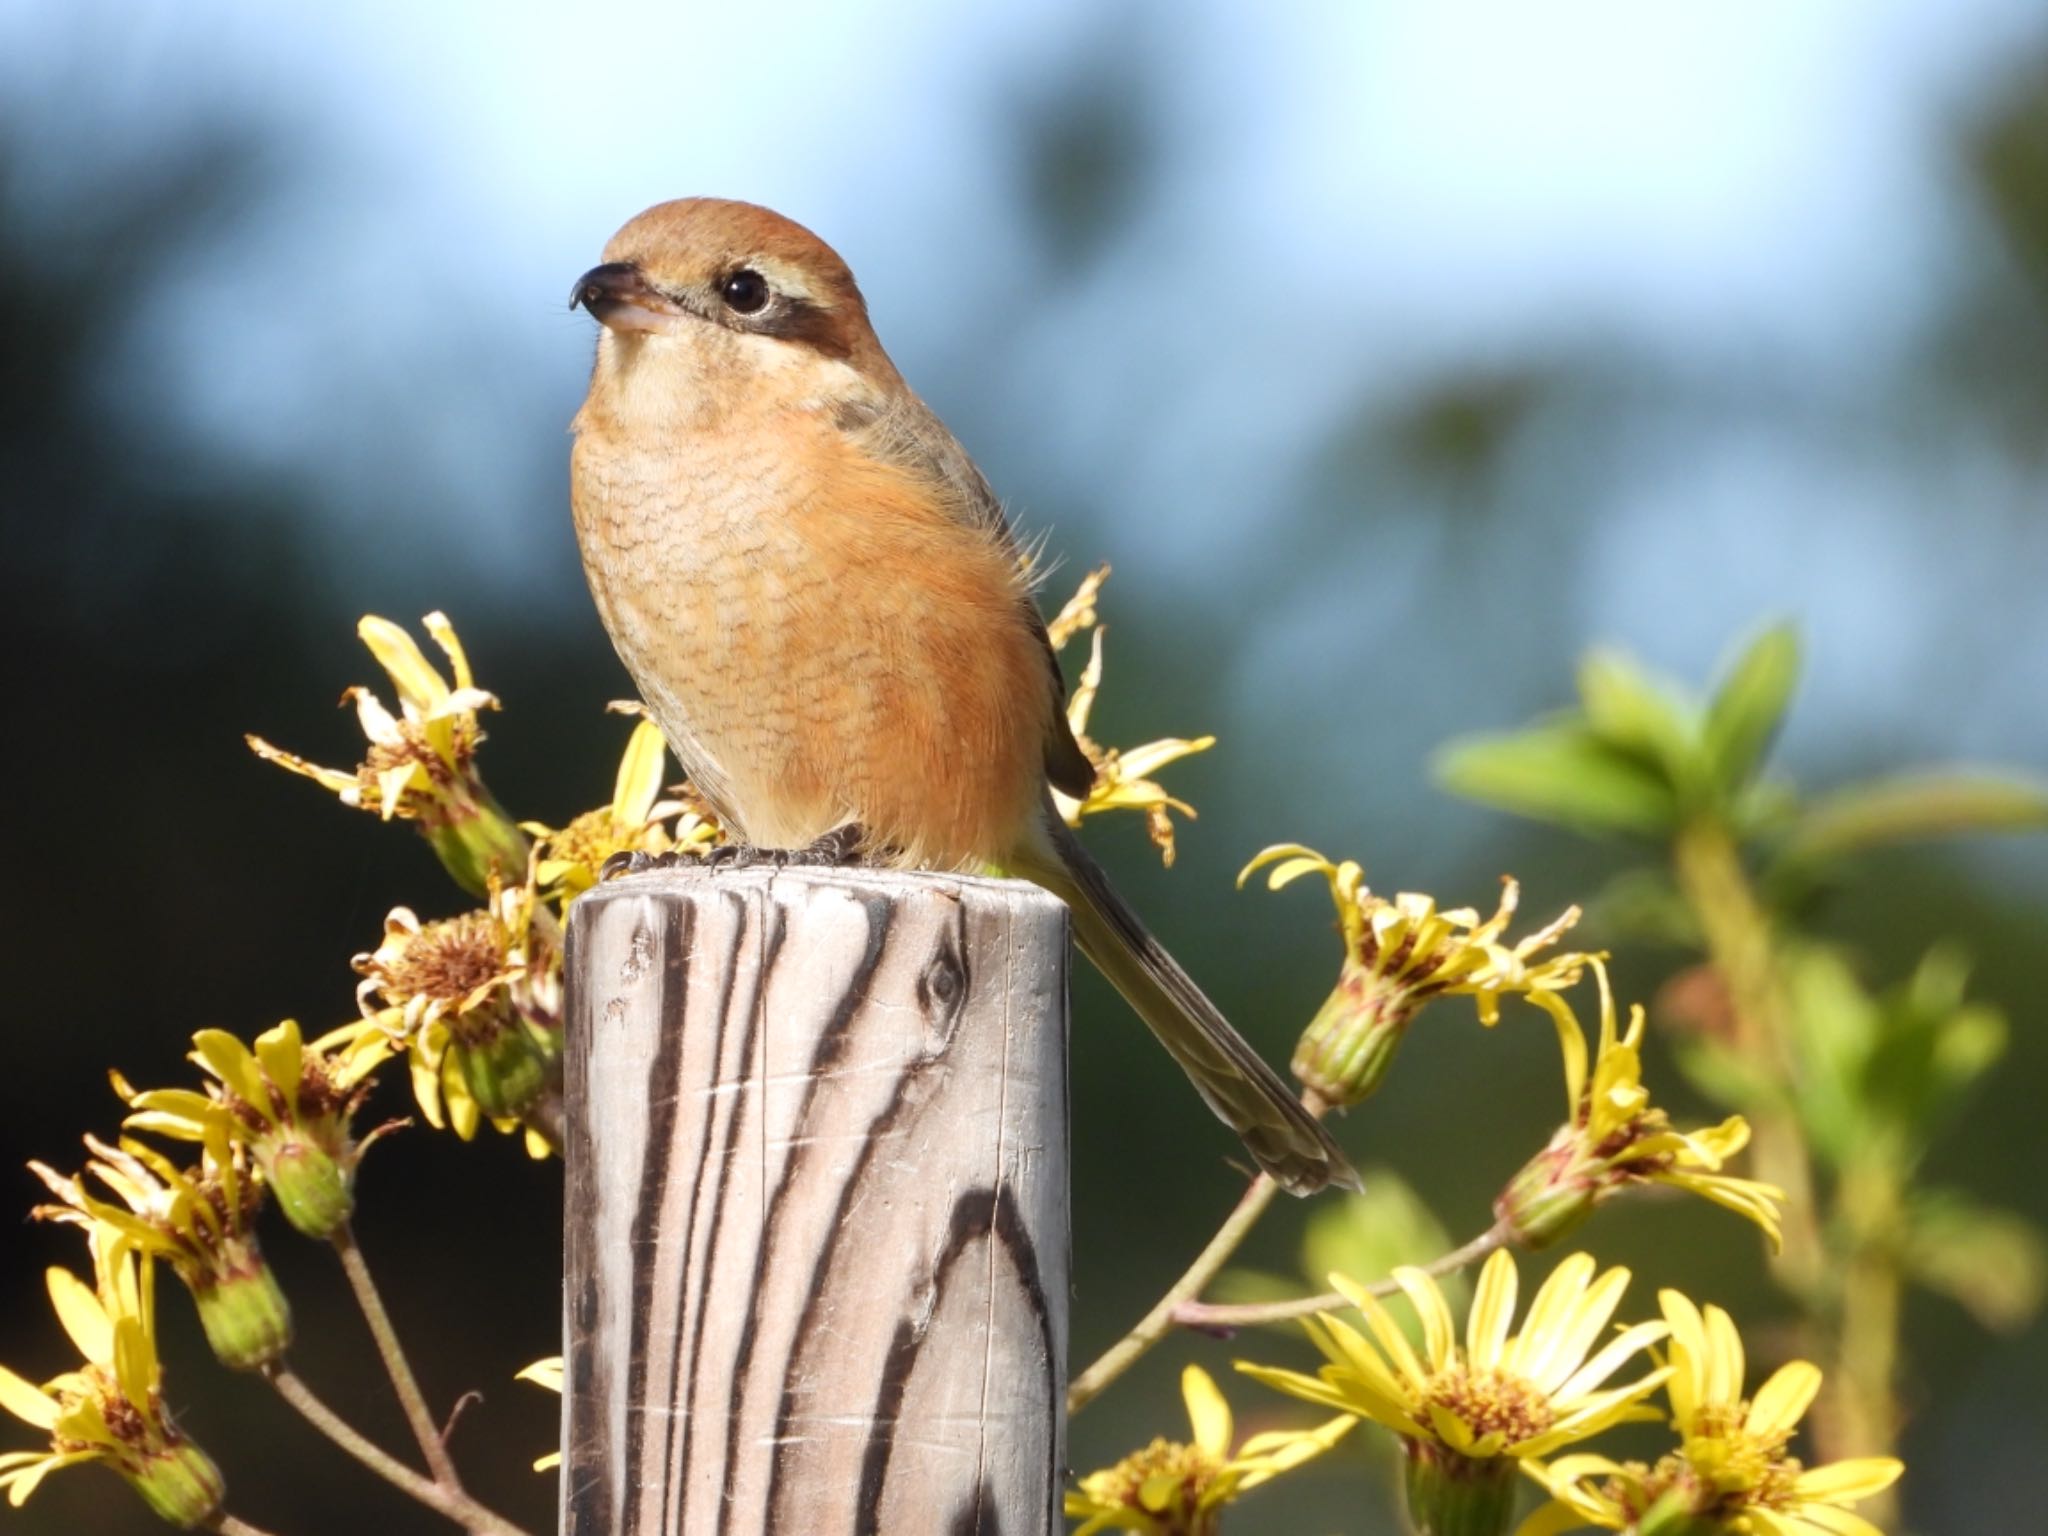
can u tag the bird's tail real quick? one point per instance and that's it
(1247, 1095)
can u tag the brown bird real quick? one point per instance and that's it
(821, 603)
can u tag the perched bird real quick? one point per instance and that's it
(817, 595)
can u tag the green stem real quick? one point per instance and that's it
(1154, 1326)
(1708, 866)
(1201, 1314)
(451, 1502)
(1861, 1409)
(403, 1382)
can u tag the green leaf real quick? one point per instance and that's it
(1937, 803)
(1837, 1028)
(1630, 711)
(1744, 715)
(1728, 1077)
(1995, 1263)
(1560, 773)
(1643, 906)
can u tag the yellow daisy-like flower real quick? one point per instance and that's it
(1398, 956)
(1616, 1138)
(1123, 779)
(571, 858)
(1467, 1415)
(201, 1221)
(111, 1409)
(1174, 1488)
(1731, 1475)
(546, 1374)
(421, 763)
(476, 1001)
(292, 1104)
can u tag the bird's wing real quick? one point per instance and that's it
(905, 432)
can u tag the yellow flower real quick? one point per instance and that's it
(111, 1409)
(1518, 1396)
(201, 1221)
(1171, 1488)
(421, 763)
(1122, 778)
(572, 857)
(291, 1104)
(1616, 1138)
(546, 1374)
(1731, 1473)
(1467, 1416)
(1398, 956)
(477, 1002)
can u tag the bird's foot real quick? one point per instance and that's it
(837, 849)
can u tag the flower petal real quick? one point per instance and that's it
(1782, 1401)
(1844, 1482)
(1555, 1301)
(26, 1401)
(82, 1316)
(1208, 1413)
(1493, 1309)
(1438, 1335)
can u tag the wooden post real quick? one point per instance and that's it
(817, 1206)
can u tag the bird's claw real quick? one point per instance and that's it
(835, 850)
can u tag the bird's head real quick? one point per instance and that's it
(706, 303)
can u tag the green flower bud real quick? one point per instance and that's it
(1345, 1052)
(503, 1068)
(474, 839)
(1453, 1495)
(179, 1482)
(313, 1189)
(1550, 1198)
(244, 1312)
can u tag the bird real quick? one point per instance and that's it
(823, 606)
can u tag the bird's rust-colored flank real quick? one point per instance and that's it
(818, 597)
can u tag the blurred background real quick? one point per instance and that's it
(1394, 354)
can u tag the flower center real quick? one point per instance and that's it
(1188, 1468)
(1730, 1463)
(446, 961)
(1493, 1402)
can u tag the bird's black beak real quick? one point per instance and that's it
(620, 298)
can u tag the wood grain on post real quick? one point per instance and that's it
(817, 1206)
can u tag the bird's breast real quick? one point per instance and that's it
(819, 638)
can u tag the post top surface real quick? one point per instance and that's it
(684, 880)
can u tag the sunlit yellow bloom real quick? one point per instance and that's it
(421, 763)
(1399, 955)
(1078, 612)
(548, 1374)
(111, 1409)
(1172, 1488)
(1616, 1138)
(1731, 1473)
(201, 1221)
(291, 1104)
(637, 821)
(1467, 1414)
(476, 1000)
(1123, 779)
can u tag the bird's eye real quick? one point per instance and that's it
(745, 292)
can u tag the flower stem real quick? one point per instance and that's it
(1716, 887)
(1199, 1314)
(228, 1525)
(451, 1502)
(403, 1382)
(1155, 1324)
